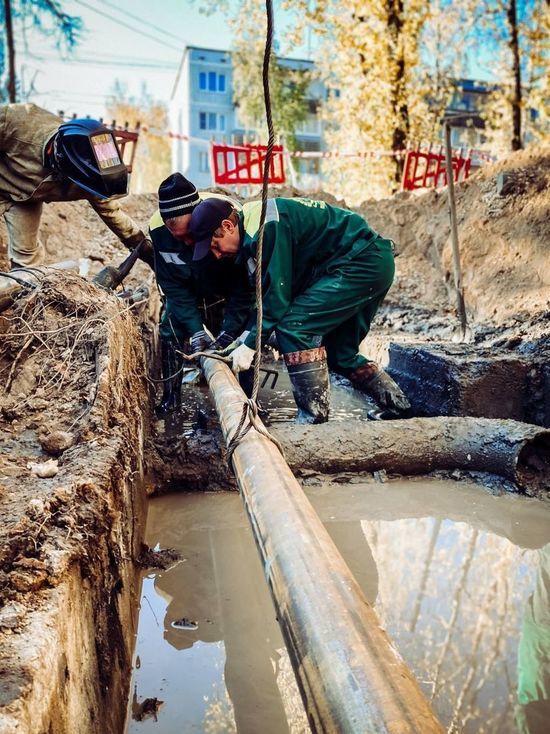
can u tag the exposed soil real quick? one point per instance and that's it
(75, 404)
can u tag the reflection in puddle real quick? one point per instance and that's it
(208, 643)
(459, 578)
(461, 581)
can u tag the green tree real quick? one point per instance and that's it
(152, 158)
(45, 16)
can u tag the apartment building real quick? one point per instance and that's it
(202, 110)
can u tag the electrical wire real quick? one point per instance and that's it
(129, 27)
(142, 20)
(107, 62)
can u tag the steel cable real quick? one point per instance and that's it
(250, 407)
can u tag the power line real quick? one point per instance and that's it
(126, 25)
(107, 62)
(142, 20)
(23, 49)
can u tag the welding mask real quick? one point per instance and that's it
(85, 152)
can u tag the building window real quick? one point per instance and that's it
(204, 165)
(211, 121)
(310, 126)
(211, 81)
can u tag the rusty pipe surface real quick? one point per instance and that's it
(351, 677)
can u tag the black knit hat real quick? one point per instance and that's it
(177, 196)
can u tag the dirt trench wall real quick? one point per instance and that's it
(68, 584)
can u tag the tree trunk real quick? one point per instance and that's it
(517, 143)
(11, 51)
(517, 451)
(399, 100)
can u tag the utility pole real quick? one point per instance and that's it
(11, 51)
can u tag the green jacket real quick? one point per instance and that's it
(185, 282)
(25, 129)
(301, 239)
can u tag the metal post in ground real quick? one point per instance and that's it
(457, 271)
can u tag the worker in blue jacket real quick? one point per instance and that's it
(325, 272)
(190, 289)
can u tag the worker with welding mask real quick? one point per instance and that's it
(44, 159)
(211, 294)
(325, 272)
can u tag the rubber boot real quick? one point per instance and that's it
(308, 372)
(170, 367)
(377, 384)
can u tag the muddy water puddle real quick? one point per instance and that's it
(345, 403)
(459, 578)
(208, 644)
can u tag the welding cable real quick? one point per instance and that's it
(17, 280)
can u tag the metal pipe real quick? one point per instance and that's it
(351, 677)
(511, 449)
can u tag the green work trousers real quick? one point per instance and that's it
(337, 308)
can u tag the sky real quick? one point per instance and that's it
(132, 41)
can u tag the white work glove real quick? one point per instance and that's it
(241, 358)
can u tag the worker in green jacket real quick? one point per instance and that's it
(191, 289)
(325, 272)
(44, 159)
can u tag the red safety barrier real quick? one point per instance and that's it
(124, 138)
(244, 164)
(426, 169)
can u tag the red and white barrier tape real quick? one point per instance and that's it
(479, 154)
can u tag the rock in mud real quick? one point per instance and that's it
(56, 442)
(45, 469)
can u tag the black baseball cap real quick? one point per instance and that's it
(205, 220)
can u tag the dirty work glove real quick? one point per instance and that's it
(200, 341)
(223, 340)
(241, 358)
(226, 351)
